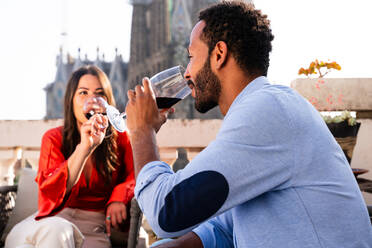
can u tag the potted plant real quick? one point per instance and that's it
(343, 126)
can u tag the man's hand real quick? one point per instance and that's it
(143, 121)
(116, 213)
(188, 240)
(142, 112)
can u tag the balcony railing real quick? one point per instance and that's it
(20, 141)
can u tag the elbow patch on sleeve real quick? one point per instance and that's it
(193, 201)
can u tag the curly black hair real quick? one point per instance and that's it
(244, 29)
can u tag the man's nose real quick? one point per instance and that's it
(187, 75)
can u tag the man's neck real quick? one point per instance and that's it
(231, 87)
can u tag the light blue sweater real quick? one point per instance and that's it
(274, 177)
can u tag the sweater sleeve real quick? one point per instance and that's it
(124, 191)
(52, 174)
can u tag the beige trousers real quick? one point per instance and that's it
(69, 228)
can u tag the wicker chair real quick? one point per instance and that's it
(8, 196)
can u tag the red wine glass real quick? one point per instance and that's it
(169, 87)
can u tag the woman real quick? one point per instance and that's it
(85, 173)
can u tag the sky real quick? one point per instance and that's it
(31, 38)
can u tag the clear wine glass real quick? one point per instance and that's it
(94, 105)
(169, 87)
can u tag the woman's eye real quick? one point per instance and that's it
(100, 93)
(83, 92)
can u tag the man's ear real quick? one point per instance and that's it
(220, 54)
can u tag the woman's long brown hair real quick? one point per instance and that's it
(105, 155)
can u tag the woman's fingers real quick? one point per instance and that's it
(108, 225)
(105, 121)
(119, 218)
(117, 212)
(115, 220)
(98, 125)
(100, 122)
(86, 130)
(124, 213)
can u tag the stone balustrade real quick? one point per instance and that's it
(21, 140)
(337, 94)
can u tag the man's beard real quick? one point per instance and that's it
(207, 88)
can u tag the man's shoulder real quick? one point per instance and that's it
(262, 98)
(274, 90)
(268, 109)
(278, 97)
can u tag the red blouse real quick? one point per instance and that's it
(52, 179)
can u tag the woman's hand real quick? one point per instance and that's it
(93, 131)
(116, 213)
(92, 134)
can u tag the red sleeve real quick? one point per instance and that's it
(52, 173)
(124, 191)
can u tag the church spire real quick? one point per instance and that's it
(98, 62)
(78, 62)
(61, 70)
(97, 53)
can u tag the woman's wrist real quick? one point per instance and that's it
(84, 149)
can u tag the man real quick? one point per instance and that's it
(273, 177)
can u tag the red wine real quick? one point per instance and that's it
(90, 114)
(166, 102)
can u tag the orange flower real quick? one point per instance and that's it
(315, 67)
